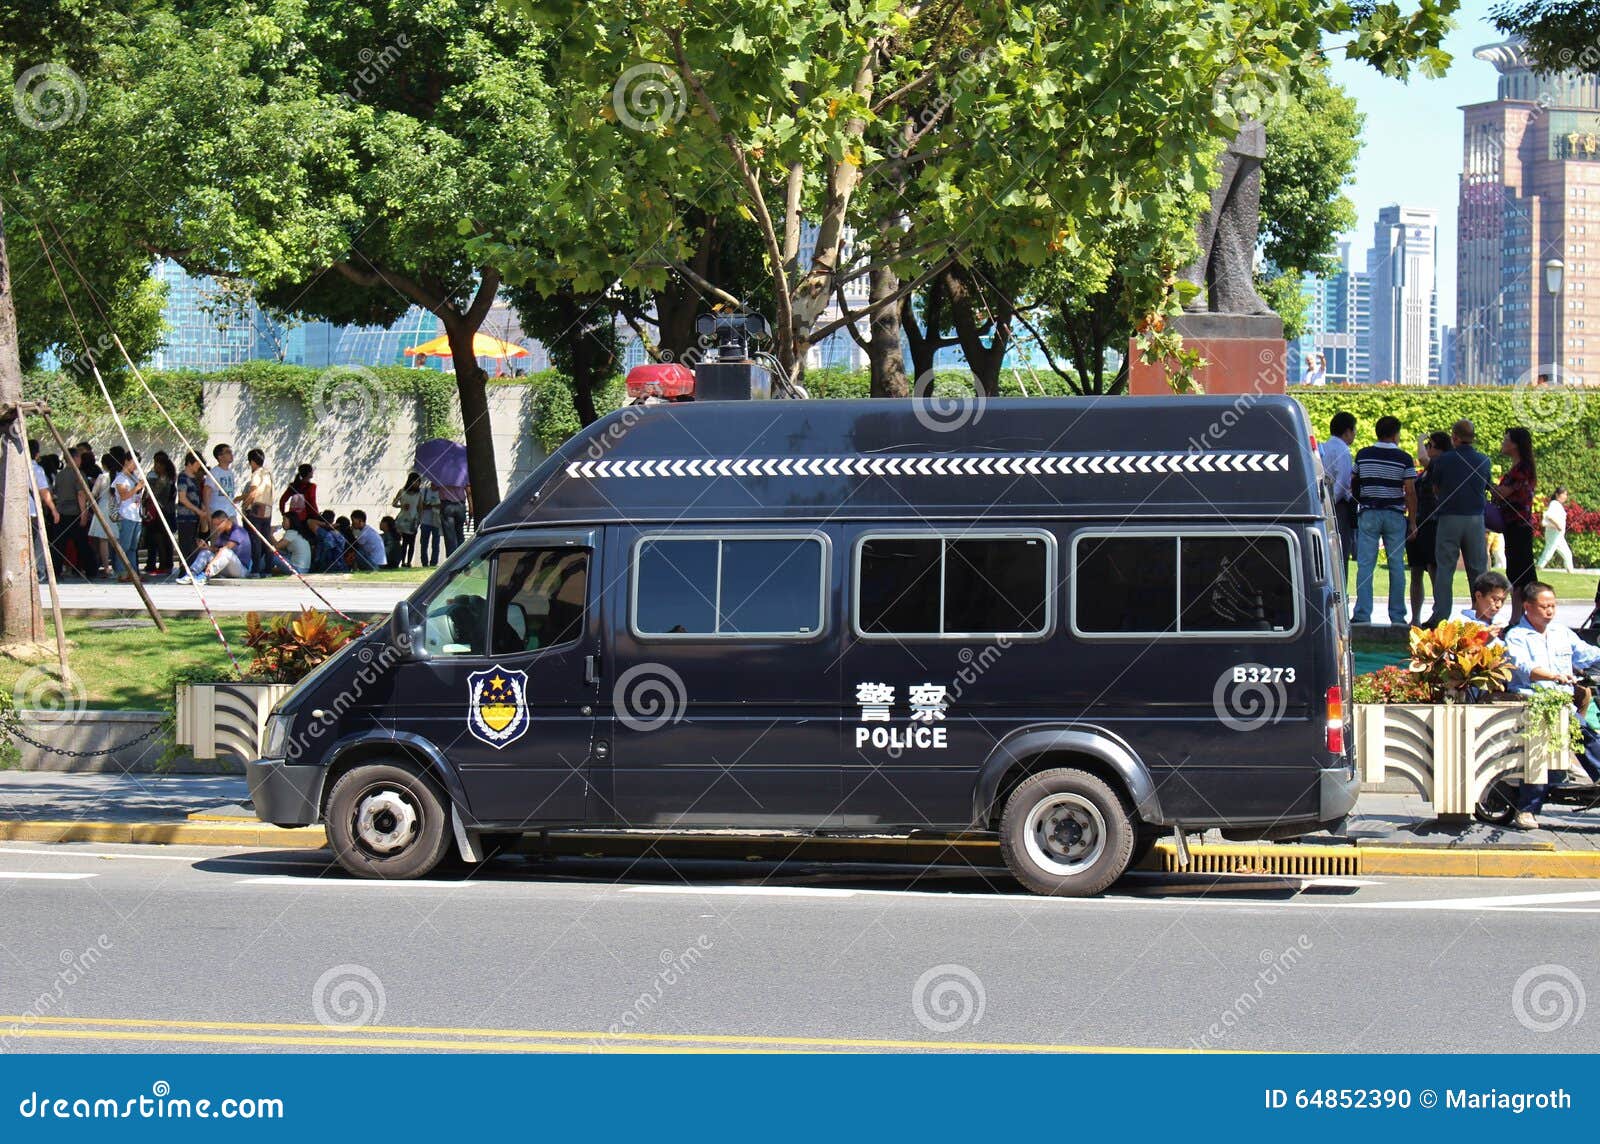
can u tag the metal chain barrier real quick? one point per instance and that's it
(68, 754)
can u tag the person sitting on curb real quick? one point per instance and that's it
(1544, 653)
(229, 554)
(1489, 594)
(367, 542)
(294, 550)
(327, 546)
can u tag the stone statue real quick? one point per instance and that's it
(1227, 231)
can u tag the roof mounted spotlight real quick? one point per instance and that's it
(733, 333)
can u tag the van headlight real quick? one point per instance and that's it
(275, 743)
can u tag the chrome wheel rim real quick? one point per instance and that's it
(386, 821)
(1065, 834)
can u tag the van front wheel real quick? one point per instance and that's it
(386, 820)
(1066, 833)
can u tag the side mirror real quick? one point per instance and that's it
(407, 632)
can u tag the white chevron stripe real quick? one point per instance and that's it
(938, 464)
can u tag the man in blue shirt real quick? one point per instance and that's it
(327, 546)
(1546, 653)
(1460, 479)
(368, 543)
(229, 554)
(1384, 484)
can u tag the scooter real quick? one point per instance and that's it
(1570, 788)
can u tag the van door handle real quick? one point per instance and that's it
(591, 669)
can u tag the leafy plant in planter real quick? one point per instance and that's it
(1459, 662)
(1543, 728)
(288, 648)
(10, 725)
(1392, 684)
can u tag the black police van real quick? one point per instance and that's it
(1074, 624)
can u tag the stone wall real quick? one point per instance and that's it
(356, 466)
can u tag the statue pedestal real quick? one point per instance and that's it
(1244, 353)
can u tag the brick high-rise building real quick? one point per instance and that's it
(1530, 189)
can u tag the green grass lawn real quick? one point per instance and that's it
(125, 663)
(387, 576)
(1571, 588)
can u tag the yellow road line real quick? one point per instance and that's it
(369, 1034)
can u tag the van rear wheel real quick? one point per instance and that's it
(387, 820)
(1066, 833)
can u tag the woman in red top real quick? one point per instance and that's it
(301, 487)
(1514, 495)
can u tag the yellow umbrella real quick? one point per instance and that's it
(482, 346)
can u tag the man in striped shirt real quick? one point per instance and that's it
(1384, 485)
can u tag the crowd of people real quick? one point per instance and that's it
(219, 515)
(1433, 509)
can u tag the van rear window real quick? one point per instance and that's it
(1184, 585)
(939, 587)
(726, 588)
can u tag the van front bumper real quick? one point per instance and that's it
(285, 795)
(1337, 793)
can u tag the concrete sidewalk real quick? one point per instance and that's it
(349, 593)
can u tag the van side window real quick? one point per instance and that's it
(1184, 584)
(458, 614)
(731, 587)
(539, 596)
(950, 587)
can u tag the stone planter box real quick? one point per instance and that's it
(1452, 752)
(218, 720)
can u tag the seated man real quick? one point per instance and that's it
(368, 543)
(327, 546)
(1489, 594)
(228, 555)
(1545, 653)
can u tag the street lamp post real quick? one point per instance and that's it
(1554, 268)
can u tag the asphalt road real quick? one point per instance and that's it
(124, 948)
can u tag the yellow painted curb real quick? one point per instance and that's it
(1267, 858)
(169, 833)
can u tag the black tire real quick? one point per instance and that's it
(1498, 806)
(1066, 833)
(1144, 843)
(407, 827)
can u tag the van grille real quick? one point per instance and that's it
(1257, 858)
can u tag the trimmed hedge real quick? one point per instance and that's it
(1565, 423)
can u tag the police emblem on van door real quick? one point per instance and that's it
(497, 705)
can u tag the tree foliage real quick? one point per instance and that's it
(1562, 35)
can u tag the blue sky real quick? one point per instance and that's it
(1412, 151)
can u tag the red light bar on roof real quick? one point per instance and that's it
(660, 379)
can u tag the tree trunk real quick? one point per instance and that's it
(984, 360)
(883, 347)
(472, 390)
(20, 619)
